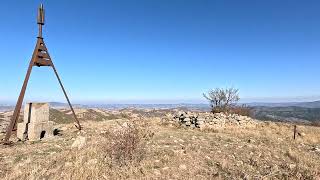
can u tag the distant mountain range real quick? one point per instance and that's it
(203, 106)
(6, 108)
(59, 105)
(287, 114)
(64, 105)
(314, 104)
(302, 112)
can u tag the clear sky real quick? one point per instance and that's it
(155, 51)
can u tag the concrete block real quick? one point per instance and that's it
(21, 130)
(37, 131)
(36, 122)
(39, 112)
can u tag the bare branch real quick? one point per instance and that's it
(222, 98)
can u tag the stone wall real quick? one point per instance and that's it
(209, 120)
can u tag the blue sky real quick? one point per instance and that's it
(163, 51)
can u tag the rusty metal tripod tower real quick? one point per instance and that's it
(39, 58)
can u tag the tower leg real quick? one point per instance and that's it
(16, 111)
(65, 94)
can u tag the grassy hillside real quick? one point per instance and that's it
(60, 117)
(155, 151)
(290, 114)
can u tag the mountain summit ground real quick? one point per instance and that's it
(137, 144)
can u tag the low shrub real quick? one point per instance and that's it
(241, 110)
(127, 143)
(316, 123)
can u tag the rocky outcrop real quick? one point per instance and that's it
(209, 120)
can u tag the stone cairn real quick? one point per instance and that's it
(209, 120)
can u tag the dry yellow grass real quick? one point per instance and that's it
(264, 152)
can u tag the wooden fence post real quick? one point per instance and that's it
(294, 132)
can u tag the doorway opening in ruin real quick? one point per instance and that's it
(42, 134)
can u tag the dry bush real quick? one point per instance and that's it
(222, 98)
(127, 143)
(241, 110)
(218, 110)
(316, 123)
(225, 100)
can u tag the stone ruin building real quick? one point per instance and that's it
(36, 124)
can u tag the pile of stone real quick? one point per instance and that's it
(210, 120)
(189, 119)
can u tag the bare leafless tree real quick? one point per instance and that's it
(222, 98)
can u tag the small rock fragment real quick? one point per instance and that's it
(183, 167)
(79, 143)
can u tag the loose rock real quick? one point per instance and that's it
(79, 143)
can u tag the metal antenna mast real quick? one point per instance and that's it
(40, 19)
(40, 57)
